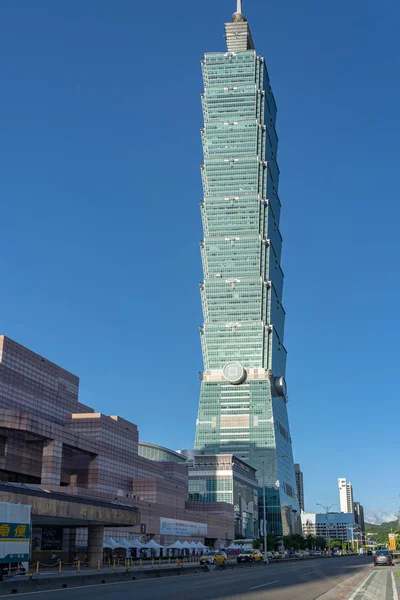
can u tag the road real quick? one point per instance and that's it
(339, 578)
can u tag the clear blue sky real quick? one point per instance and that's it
(100, 223)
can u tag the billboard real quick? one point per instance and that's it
(182, 528)
(52, 538)
(392, 541)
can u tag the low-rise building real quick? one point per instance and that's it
(331, 526)
(52, 442)
(226, 478)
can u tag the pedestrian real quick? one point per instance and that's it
(76, 559)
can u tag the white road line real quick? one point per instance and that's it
(354, 594)
(84, 587)
(310, 573)
(264, 584)
(395, 594)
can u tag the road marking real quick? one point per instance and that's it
(310, 573)
(354, 594)
(395, 594)
(94, 585)
(264, 584)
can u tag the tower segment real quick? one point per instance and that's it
(243, 399)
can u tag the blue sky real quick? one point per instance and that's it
(100, 223)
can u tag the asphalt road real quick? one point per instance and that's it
(339, 578)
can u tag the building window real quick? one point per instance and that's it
(3, 442)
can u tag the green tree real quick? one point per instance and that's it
(320, 542)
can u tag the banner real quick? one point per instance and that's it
(182, 528)
(392, 541)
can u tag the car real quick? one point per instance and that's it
(383, 557)
(249, 556)
(369, 552)
(317, 553)
(214, 557)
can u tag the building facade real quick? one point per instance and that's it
(221, 478)
(299, 486)
(346, 496)
(243, 399)
(159, 453)
(51, 441)
(330, 526)
(359, 515)
(225, 478)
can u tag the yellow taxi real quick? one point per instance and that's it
(214, 557)
(249, 556)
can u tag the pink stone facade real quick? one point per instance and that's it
(49, 439)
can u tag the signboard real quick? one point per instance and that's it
(52, 538)
(15, 531)
(182, 528)
(392, 542)
(15, 558)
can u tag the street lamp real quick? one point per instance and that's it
(327, 509)
(265, 509)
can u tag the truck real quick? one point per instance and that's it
(15, 536)
(362, 551)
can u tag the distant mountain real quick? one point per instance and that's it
(382, 531)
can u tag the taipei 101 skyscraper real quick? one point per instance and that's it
(243, 399)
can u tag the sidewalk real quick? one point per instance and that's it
(70, 571)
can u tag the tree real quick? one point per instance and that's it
(320, 542)
(271, 542)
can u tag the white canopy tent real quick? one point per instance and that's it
(233, 546)
(131, 544)
(175, 546)
(113, 544)
(201, 546)
(152, 544)
(134, 543)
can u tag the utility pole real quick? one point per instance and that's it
(264, 507)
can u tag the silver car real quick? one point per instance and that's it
(383, 557)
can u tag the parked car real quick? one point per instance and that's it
(317, 553)
(369, 552)
(214, 557)
(383, 557)
(249, 556)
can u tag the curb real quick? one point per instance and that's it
(53, 583)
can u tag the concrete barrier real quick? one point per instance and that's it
(63, 582)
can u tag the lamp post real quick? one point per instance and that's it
(327, 509)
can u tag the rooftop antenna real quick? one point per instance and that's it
(239, 6)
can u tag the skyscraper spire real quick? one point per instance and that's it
(237, 33)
